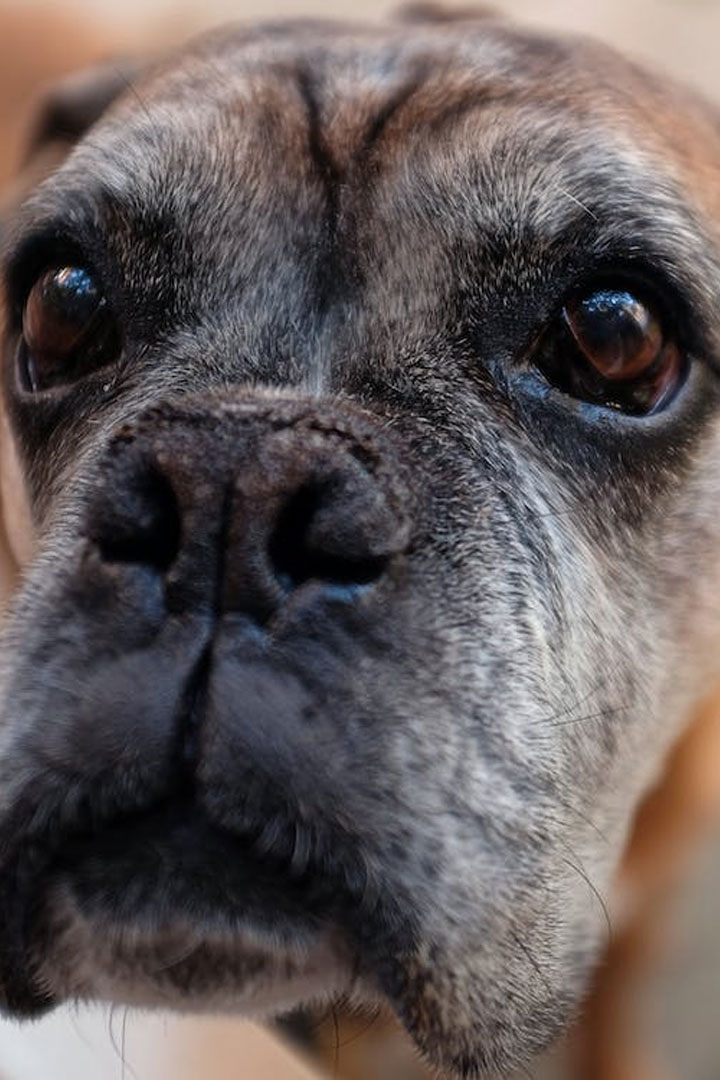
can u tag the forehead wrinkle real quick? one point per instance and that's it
(598, 179)
(182, 164)
(624, 200)
(610, 189)
(534, 181)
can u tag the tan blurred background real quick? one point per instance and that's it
(38, 40)
(679, 36)
(682, 35)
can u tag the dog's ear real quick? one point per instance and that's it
(429, 12)
(63, 115)
(70, 109)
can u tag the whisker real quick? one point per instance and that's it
(174, 960)
(582, 873)
(601, 714)
(532, 960)
(336, 1055)
(130, 85)
(574, 198)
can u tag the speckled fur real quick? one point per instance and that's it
(369, 226)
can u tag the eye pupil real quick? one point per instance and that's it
(617, 333)
(64, 327)
(58, 310)
(610, 348)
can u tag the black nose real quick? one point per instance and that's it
(247, 505)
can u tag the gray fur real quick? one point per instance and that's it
(348, 238)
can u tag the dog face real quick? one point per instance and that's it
(361, 454)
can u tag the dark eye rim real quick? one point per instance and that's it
(605, 446)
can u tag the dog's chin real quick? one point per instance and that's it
(167, 911)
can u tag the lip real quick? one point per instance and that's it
(167, 908)
(174, 857)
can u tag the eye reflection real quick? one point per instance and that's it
(618, 334)
(67, 329)
(609, 347)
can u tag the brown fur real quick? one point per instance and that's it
(681, 806)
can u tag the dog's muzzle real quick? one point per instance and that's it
(235, 559)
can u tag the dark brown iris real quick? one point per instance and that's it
(66, 328)
(612, 349)
(616, 332)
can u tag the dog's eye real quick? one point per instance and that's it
(609, 347)
(67, 329)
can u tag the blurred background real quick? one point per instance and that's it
(44, 36)
(681, 35)
(40, 39)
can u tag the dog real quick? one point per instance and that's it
(360, 459)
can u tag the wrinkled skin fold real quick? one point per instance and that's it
(396, 758)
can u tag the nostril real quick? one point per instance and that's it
(140, 523)
(299, 554)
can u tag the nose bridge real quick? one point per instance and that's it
(260, 455)
(246, 503)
